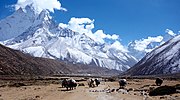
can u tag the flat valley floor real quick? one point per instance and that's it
(136, 89)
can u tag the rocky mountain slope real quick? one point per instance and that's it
(39, 36)
(163, 60)
(139, 48)
(13, 62)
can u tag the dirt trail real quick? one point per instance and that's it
(56, 92)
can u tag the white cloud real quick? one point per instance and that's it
(119, 46)
(114, 36)
(63, 25)
(170, 32)
(141, 45)
(85, 25)
(74, 20)
(100, 34)
(39, 5)
(81, 25)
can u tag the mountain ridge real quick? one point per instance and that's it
(162, 60)
(46, 39)
(14, 62)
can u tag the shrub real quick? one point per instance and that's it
(163, 90)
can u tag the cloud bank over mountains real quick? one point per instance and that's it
(85, 26)
(141, 45)
(139, 48)
(39, 5)
(170, 32)
(81, 25)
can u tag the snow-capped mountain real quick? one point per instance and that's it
(14, 62)
(139, 48)
(41, 37)
(16, 23)
(165, 59)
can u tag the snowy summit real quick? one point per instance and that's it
(39, 36)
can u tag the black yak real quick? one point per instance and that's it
(122, 83)
(91, 83)
(97, 82)
(159, 81)
(71, 84)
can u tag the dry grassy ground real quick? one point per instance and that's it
(136, 89)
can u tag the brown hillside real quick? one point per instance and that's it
(13, 62)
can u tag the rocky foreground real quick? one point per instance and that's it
(50, 89)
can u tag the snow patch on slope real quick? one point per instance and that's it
(37, 51)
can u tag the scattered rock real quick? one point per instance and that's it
(163, 90)
(146, 90)
(137, 90)
(112, 90)
(123, 91)
(102, 90)
(162, 97)
(177, 86)
(111, 79)
(151, 88)
(16, 85)
(178, 91)
(81, 84)
(37, 96)
(2, 85)
(108, 91)
(136, 80)
(173, 98)
(143, 93)
(176, 96)
(145, 86)
(130, 89)
(117, 89)
(153, 85)
(80, 80)
(37, 88)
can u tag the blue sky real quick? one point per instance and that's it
(130, 19)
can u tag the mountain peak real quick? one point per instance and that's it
(20, 10)
(164, 59)
(139, 48)
(39, 36)
(44, 15)
(21, 20)
(29, 9)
